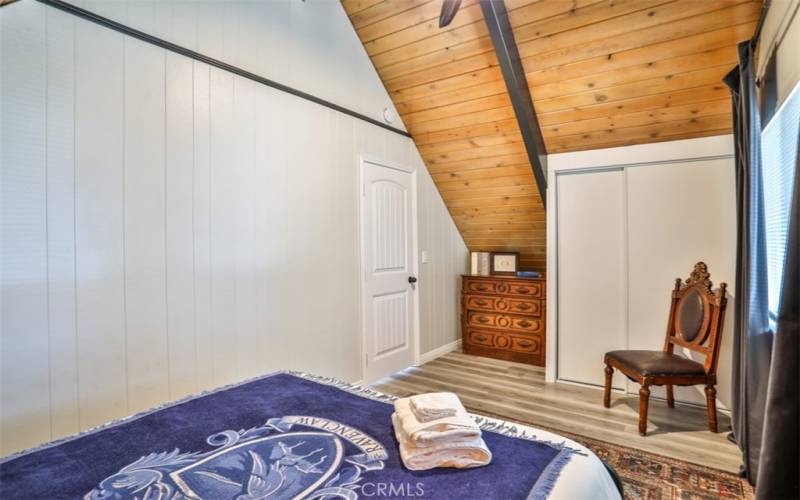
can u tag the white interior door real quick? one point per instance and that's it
(389, 294)
(592, 279)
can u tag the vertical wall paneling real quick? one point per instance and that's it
(179, 226)
(145, 237)
(243, 170)
(61, 222)
(223, 230)
(168, 227)
(24, 375)
(201, 224)
(99, 223)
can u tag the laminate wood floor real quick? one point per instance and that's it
(518, 392)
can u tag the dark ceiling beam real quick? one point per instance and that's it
(496, 17)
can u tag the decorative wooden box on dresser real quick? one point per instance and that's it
(503, 317)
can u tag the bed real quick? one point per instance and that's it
(290, 435)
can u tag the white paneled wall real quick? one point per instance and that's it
(168, 227)
(306, 44)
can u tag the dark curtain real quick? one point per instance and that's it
(752, 343)
(779, 465)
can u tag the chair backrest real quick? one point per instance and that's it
(696, 316)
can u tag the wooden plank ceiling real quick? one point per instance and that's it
(602, 73)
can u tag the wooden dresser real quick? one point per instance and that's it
(504, 317)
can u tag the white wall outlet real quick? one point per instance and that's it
(424, 256)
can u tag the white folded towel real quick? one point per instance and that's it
(457, 453)
(421, 434)
(427, 407)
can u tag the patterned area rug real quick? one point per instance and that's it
(648, 476)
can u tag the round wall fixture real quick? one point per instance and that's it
(388, 115)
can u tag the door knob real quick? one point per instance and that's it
(412, 279)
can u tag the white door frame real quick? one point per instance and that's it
(364, 160)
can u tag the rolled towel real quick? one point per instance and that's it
(427, 407)
(424, 434)
(460, 454)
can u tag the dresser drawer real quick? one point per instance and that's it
(520, 306)
(532, 307)
(530, 289)
(481, 303)
(478, 337)
(532, 345)
(482, 286)
(505, 341)
(494, 320)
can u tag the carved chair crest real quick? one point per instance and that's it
(696, 315)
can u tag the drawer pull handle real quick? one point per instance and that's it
(525, 324)
(525, 343)
(523, 290)
(524, 307)
(481, 288)
(481, 337)
(483, 319)
(481, 302)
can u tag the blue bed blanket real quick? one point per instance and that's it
(285, 435)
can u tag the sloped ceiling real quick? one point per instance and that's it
(602, 74)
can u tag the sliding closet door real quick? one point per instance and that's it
(591, 273)
(678, 214)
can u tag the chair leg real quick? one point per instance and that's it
(644, 400)
(607, 392)
(711, 402)
(670, 396)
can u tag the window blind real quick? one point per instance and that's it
(779, 156)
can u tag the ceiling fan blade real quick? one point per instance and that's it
(449, 9)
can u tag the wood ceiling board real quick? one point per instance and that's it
(479, 61)
(603, 73)
(640, 118)
(483, 173)
(629, 90)
(451, 122)
(720, 19)
(420, 111)
(655, 68)
(468, 131)
(703, 93)
(511, 180)
(484, 78)
(415, 31)
(724, 37)
(495, 161)
(379, 11)
(494, 139)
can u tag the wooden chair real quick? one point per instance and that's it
(696, 315)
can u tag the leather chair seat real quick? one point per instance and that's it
(657, 363)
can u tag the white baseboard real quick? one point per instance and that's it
(439, 351)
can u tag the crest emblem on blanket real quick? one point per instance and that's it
(288, 457)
